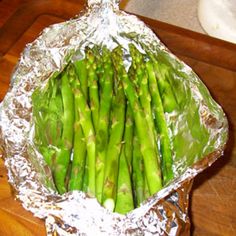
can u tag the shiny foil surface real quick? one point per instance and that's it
(74, 213)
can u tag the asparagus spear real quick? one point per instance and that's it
(47, 112)
(177, 79)
(106, 87)
(146, 192)
(62, 158)
(168, 97)
(161, 125)
(55, 123)
(81, 71)
(138, 172)
(89, 136)
(79, 146)
(124, 201)
(86, 176)
(174, 76)
(52, 113)
(115, 139)
(150, 156)
(141, 80)
(98, 52)
(40, 100)
(93, 87)
(128, 137)
(114, 149)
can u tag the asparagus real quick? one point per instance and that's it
(93, 87)
(54, 125)
(86, 176)
(81, 71)
(150, 156)
(161, 125)
(128, 137)
(106, 87)
(112, 120)
(99, 53)
(197, 133)
(138, 172)
(182, 93)
(146, 193)
(141, 80)
(124, 201)
(47, 112)
(175, 77)
(79, 146)
(115, 140)
(89, 136)
(113, 149)
(51, 123)
(62, 157)
(168, 97)
(41, 114)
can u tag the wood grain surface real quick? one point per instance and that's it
(213, 197)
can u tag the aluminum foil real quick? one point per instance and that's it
(74, 213)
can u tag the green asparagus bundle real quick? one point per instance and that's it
(108, 129)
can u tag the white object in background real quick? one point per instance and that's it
(218, 18)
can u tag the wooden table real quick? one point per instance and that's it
(213, 198)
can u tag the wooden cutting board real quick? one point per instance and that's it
(213, 198)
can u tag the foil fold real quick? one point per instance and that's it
(74, 213)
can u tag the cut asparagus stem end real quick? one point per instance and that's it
(109, 204)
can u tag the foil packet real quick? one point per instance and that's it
(74, 213)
